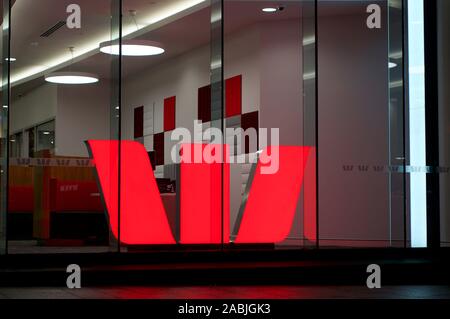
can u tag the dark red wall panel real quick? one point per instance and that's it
(233, 96)
(204, 104)
(250, 120)
(158, 146)
(169, 113)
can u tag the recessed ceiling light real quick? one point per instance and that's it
(392, 65)
(132, 48)
(46, 133)
(270, 10)
(71, 78)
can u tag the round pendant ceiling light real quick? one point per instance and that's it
(132, 48)
(71, 78)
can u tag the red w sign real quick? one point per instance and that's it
(267, 217)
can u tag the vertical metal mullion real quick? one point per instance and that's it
(316, 37)
(116, 104)
(431, 122)
(119, 133)
(217, 87)
(5, 110)
(405, 104)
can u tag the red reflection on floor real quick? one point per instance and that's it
(233, 292)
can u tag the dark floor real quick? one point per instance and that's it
(236, 292)
(252, 274)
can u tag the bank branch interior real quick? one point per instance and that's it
(106, 96)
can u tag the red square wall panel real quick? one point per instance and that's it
(139, 122)
(169, 113)
(233, 96)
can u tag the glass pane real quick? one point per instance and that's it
(360, 118)
(166, 105)
(397, 142)
(269, 85)
(444, 117)
(63, 98)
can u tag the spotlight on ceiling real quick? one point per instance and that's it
(132, 48)
(71, 78)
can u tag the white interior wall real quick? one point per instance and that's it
(35, 107)
(82, 114)
(353, 130)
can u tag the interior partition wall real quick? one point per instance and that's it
(212, 125)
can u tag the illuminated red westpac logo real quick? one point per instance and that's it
(268, 214)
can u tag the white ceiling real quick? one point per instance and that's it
(179, 31)
(36, 54)
(180, 25)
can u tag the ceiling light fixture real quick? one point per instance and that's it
(90, 48)
(392, 65)
(71, 77)
(132, 48)
(11, 59)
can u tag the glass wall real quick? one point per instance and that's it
(166, 107)
(182, 124)
(269, 111)
(443, 67)
(63, 94)
(360, 124)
